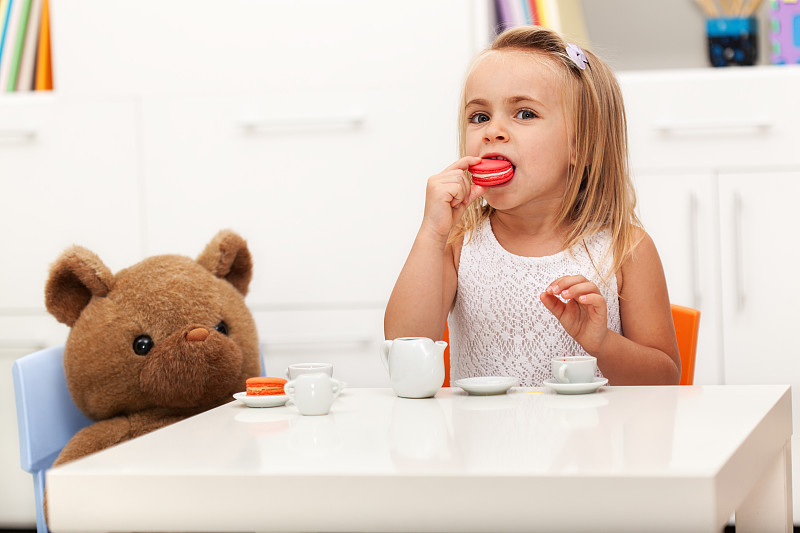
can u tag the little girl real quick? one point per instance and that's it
(553, 262)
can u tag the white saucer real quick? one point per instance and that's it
(575, 388)
(274, 400)
(485, 386)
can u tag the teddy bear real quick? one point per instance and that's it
(155, 343)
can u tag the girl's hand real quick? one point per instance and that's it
(447, 196)
(583, 315)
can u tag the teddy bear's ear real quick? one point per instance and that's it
(227, 257)
(75, 277)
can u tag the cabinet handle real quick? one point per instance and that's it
(348, 120)
(738, 251)
(697, 298)
(21, 135)
(757, 124)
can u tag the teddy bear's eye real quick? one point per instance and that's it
(142, 344)
(222, 327)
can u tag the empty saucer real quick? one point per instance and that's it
(575, 388)
(485, 386)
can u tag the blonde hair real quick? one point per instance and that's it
(599, 192)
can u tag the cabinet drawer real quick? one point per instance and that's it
(712, 118)
(327, 190)
(204, 46)
(70, 169)
(348, 338)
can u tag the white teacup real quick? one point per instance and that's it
(313, 393)
(574, 369)
(415, 365)
(294, 370)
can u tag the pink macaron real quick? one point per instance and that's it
(491, 172)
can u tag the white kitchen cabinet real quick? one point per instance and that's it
(309, 127)
(202, 47)
(320, 163)
(688, 132)
(680, 213)
(348, 338)
(717, 171)
(758, 234)
(758, 227)
(70, 172)
(328, 189)
(712, 119)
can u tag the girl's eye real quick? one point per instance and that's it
(478, 118)
(525, 114)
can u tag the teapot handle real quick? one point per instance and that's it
(385, 347)
(336, 387)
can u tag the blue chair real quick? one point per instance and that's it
(46, 416)
(261, 355)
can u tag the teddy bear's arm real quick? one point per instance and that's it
(94, 438)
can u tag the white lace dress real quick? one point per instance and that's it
(498, 325)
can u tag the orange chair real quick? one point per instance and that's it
(687, 326)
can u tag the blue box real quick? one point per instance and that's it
(732, 41)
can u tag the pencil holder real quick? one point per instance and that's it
(732, 41)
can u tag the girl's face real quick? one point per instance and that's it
(514, 110)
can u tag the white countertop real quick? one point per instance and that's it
(665, 457)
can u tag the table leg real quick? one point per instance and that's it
(768, 507)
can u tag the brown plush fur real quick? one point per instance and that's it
(165, 297)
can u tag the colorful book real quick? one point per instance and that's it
(19, 43)
(543, 8)
(27, 61)
(15, 8)
(517, 13)
(504, 15)
(44, 68)
(564, 16)
(5, 8)
(535, 19)
(526, 12)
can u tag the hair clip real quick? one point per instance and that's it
(576, 54)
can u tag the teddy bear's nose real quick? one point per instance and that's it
(197, 334)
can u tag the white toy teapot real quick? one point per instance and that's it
(415, 365)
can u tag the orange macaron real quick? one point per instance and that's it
(265, 386)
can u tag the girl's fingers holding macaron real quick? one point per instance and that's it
(476, 191)
(464, 163)
(457, 193)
